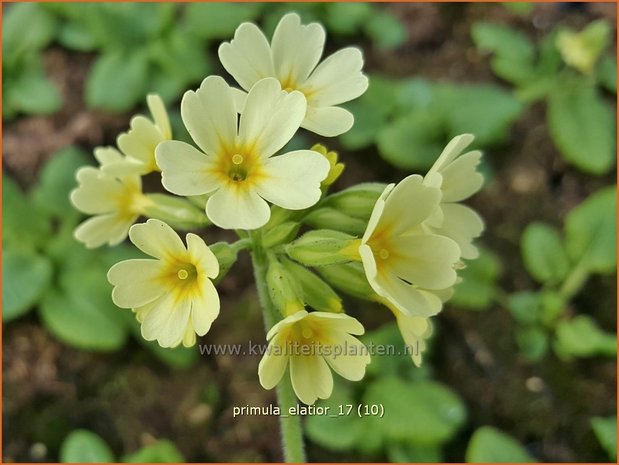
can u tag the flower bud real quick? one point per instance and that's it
(283, 289)
(356, 201)
(316, 293)
(349, 278)
(226, 256)
(280, 234)
(323, 247)
(335, 219)
(336, 168)
(176, 211)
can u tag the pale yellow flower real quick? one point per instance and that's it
(404, 263)
(172, 295)
(237, 167)
(116, 202)
(139, 143)
(313, 342)
(457, 176)
(293, 58)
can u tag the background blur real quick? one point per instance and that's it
(522, 365)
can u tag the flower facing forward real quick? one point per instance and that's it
(292, 58)
(403, 263)
(139, 143)
(313, 342)
(237, 168)
(456, 175)
(116, 202)
(172, 295)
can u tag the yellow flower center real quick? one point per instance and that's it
(182, 274)
(180, 277)
(384, 254)
(131, 201)
(240, 167)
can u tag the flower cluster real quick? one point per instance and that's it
(400, 245)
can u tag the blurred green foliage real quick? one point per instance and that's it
(489, 445)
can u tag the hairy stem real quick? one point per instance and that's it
(292, 434)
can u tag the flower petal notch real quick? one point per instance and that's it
(293, 58)
(313, 344)
(172, 294)
(236, 166)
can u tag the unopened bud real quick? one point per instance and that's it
(322, 247)
(316, 293)
(283, 290)
(349, 278)
(280, 234)
(176, 211)
(334, 219)
(356, 201)
(226, 256)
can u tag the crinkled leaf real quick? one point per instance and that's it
(346, 18)
(525, 306)
(582, 125)
(591, 231)
(34, 94)
(163, 451)
(582, 337)
(489, 445)
(218, 20)
(404, 452)
(26, 27)
(26, 276)
(385, 30)
(532, 342)
(543, 253)
(82, 446)
(607, 73)
(605, 430)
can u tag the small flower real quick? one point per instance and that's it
(313, 342)
(292, 58)
(403, 263)
(336, 167)
(172, 295)
(237, 167)
(139, 143)
(458, 179)
(116, 202)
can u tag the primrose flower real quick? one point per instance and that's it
(116, 202)
(404, 263)
(139, 143)
(458, 179)
(313, 342)
(292, 58)
(237, 168)
(172, 295)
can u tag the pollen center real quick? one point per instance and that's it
(182, 274)
(384, 254)
(237, 158)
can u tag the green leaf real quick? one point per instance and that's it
(346, 18)
(533, 343)
(582, 337)
(484, 110)
(605, 430)
(423, 412)
(25, 277)
(56, 181)
(24, 225)
(76, 36)
(607, 73)
(411, 142)
(582, 126)
(525, 306)
(514, 52)
(218, 20)
(82, 446)
(81, 312)
(163, 451)
(34, 94)
(543, 253)
(117, 81)
(478, 287)
(403, 452)
(336, 433)
(489, 445)
(386, 31)
(519, 8)
(26, 27)
(591, 231)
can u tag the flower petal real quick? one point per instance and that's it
(98, 230)
(337, 79)
(292, 180)
(460, 178)
(270, 117)
(167, 321)
(107, 155)
(462, 224)
(350, 359)
(184, 169)
(209, 114)
(425, 260)
(407, 298)
(160, 115)
(140, 141)
(201, 256)
(327, 121)
(272, 366)
(377, 213)
(233, 207)
(157, 239)
(415, 330)
(296, 49)
(451, 151)
(247, 57)
(311, 378)
(136, 283)
(96, 193)
(336, 322)
(285, 323)
(204, 307)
